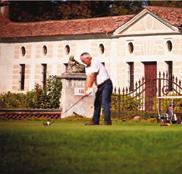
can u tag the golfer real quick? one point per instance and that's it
(97, 73)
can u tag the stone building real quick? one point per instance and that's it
(130, 46)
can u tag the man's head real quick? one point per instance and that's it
(86, 58)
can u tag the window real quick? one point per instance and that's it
(22, 76)
(44, 50)
(66, 66)
(103, 63)
(131, 75)
(130, 47)
(101, 48)
(67, 49)
(169, 45)
(23, 51)
(44, 75)
(170, 75)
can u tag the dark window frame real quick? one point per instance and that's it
(170, 75)
(44, 50)
(130, 47)
(66, 66)
(102, 48)
(169, 45)
(44, 75)
(67, 49)
(131, 75)
(23, 51)
(22, 77)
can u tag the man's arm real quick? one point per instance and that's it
(89, 83)
(90, 80)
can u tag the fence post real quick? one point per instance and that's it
(119, 102)
(159, 91)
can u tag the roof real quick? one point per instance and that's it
(63, 27)
(171, 15)
(4, 21)
(100, 25)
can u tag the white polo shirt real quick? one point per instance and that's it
(99, 68)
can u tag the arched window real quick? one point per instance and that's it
(44, 50)
(169, 45)
(130, 47)
(67, 49)
(101, 48)
(23, 51)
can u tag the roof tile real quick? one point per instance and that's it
(63, 27)
(171, 15)
(100, 25)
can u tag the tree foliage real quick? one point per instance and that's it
(23, 11)
(166, 3)
(47, 10)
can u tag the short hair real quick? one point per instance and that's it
(85, 53)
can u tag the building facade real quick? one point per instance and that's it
(130, 46)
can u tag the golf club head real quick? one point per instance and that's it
(47, 123)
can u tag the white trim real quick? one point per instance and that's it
(138, 17)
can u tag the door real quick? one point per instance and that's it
(150, 73)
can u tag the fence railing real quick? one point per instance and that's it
(168, 86)
(126, 102)
(129, 103)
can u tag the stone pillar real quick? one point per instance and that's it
(72, 90)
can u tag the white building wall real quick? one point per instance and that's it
(116, 56)
(6, 66)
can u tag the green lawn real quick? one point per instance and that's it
(69, 147)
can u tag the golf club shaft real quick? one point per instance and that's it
(69, 108)
(73, 105)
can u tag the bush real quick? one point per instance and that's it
(12, 100)
(54, 87)
(127, 103)
(49, 97)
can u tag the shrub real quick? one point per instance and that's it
(49, 97)
(12, 100)
(54, 87)
(127, 103)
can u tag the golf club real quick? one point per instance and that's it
(49, 122)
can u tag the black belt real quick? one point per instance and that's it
(108, 80)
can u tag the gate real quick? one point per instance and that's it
(126, 102)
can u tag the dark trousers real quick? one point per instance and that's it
(103, 99)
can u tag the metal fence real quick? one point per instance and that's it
(126, 103)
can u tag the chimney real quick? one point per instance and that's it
(4, 8)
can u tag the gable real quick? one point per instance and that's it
(145, 24)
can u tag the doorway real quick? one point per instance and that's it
(150, 74)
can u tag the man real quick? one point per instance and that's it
(170, 113)
(96, 72)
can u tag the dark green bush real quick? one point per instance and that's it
(49, 97)
(127, 103)
(54, 87)
(12, 100)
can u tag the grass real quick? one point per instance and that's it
(69, 147)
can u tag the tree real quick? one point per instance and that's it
(166, 3)
(32, 11)
(73, 10)
(23, 11)
(125, 7)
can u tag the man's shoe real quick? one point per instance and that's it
(91, 123)
(107, 123)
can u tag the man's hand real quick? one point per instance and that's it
(87, 92)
